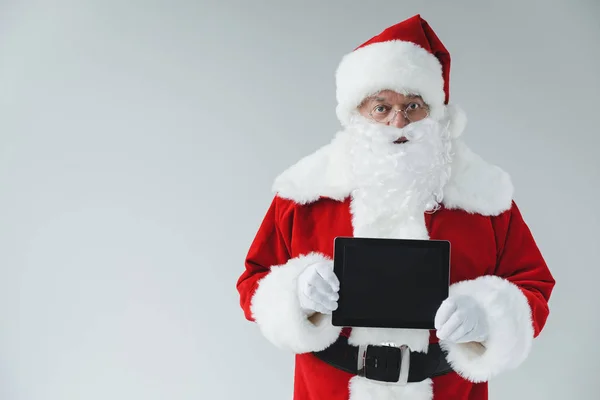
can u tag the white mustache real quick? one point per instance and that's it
(414, 132)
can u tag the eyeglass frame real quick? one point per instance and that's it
(396, 111)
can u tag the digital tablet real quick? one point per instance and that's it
(390, 283)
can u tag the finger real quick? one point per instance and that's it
(326, 272)
(317, 307)
(445, 311)
(450, 326)
(323, 287)
(461, 333)
(479, 332)
(325, 300)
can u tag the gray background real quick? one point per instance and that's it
(139, 140)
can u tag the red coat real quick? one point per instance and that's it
(494, 259)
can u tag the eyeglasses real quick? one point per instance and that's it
(413, 112)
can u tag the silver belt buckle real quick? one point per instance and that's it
(362, 354)
(404, 365)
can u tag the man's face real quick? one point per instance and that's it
(394, 109)
(396, 151)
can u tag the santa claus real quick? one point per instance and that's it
(397, 169)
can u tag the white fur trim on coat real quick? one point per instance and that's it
(325, 172)
(416, 339)
(365, 389)
(474, 186)
(511, 330)
(394, 65)
(276, 309)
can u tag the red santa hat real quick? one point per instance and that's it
(406, 58)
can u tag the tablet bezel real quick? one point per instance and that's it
(344, 321)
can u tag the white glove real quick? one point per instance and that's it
(318, 288)
(460, 319)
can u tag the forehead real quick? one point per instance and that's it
(389, 96)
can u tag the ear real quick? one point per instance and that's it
(457, 119)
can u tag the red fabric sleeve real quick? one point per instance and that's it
(270, 247)
(521, 262)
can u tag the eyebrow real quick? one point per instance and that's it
(410, 97)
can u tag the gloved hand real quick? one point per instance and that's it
(460, 319)
(318, 288)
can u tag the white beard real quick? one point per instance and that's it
(397, 183)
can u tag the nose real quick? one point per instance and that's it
(399, 120)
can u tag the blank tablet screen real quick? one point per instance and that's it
(393, 283)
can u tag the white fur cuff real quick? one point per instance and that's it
(511, 330)
(277, 312)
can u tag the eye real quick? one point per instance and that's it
(413, 106)
(380, 109)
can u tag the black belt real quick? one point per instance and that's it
(386, 363)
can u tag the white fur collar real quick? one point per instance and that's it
(474, 186)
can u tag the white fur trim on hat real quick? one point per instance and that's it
(394, 65)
